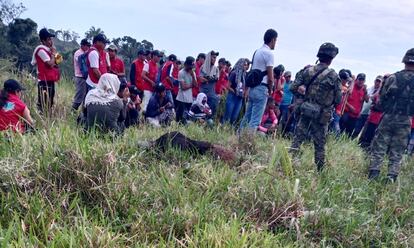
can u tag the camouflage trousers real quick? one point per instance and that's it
(391, 138)
(317, 132)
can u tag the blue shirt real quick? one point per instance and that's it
(287, 94)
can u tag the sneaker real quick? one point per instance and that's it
(373, 174)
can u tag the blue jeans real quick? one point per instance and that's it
(334, 126)
(233, 107)
(255, 108)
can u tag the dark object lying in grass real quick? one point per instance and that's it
(179, 141)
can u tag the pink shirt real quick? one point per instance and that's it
(270, 115)
(78, 53)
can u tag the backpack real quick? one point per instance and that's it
(83, 66)
(254, 77)
(401, 100)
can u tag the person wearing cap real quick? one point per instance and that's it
(199, 62)
(366, 107)
(391, 138)
(135, 73)
(374, 115)
(14, 113)
(169, 77)
(47, 70)
(80, 81)
(223, 81)
(187, 79)
(149, 75)
(133, 107)
(209, 74)
(97, 61)
(285, 105)
(346, 80)
(176, 84)
(263, 60)
(160, 108)
(117, 66)
(320, 88)
(353, 105)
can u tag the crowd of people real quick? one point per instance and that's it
(257, 95)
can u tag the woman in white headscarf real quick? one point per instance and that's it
(103, 104)
(209, 74)
(200, 110)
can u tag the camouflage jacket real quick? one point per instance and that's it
(325, 90)
(397, 96)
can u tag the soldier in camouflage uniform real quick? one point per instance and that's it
(321, 88)
(397, 103)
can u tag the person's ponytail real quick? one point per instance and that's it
(4, 96)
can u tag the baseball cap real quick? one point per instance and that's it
(159, 88)
(288, 74)
(172, 57)
(44, 34)
(134, 90)
(13, 85)
(85, 42)
(189, 61)
(222, 60)
(100, 37)
(361, 76)
(213, 53)
(113, 47)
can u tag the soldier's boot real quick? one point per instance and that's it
(373, 174)
(391, 179)
(320, 165)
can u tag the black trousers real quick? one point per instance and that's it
(45, 95)
(181, 108)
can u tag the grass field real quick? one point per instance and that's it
(63, 188)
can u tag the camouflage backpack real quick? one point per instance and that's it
(400, 99)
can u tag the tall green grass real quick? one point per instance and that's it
(61, 187)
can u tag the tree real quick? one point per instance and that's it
(92, 32)
(66, 35)
(10, 11)
(75, 36)
(22, 35)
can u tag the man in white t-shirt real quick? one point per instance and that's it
(263, 60)
(80, 80)
(187, 79)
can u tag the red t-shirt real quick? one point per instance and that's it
(11, 113)
(222, 83)
(356, 99)
(278, 94)
(196, 90)
(339, 107)
(139, 81)
(117, 65)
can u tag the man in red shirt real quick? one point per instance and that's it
(137, 67)
(223, 81)
(168, 74)
(199, 62)
(117, 65)
(149, 75)
(47, 70)
(353, 105)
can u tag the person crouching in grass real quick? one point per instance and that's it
(14, 113)
(269, 121)
(104, 106)
(160, 108)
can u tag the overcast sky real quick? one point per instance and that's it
(372, 36)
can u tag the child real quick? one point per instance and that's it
(269, 120)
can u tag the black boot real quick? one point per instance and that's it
(320, 166)
(373, 174)
(391, 179)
